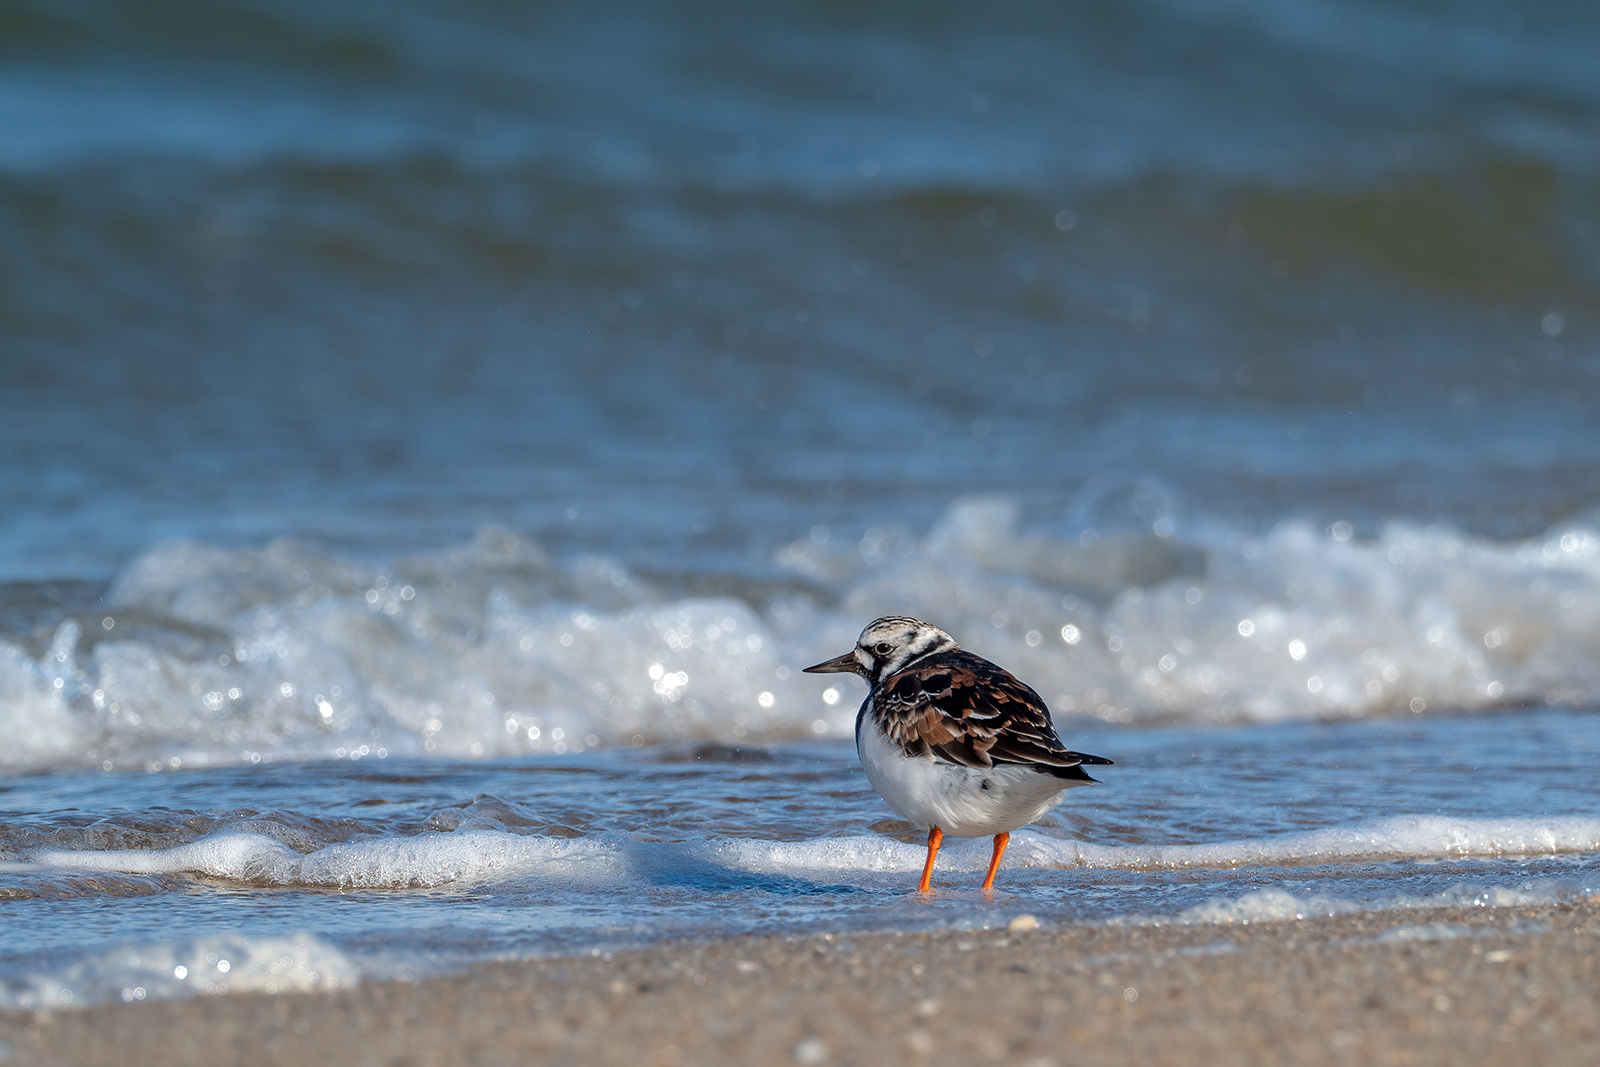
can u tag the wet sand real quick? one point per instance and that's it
(1456, 986)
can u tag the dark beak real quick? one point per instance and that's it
(845, 664)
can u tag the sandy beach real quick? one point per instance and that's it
(1453, 986)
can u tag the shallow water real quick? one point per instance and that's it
(435, 439)
(412, 866)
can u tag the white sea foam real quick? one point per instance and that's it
(1277, 905)
(417, 862)
(472, 856)
(190, 967)
(1398, 837)
(832, 855)
(1395, 837)
(206, 655)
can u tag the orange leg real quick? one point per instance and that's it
(1000, 842)
(935, 836)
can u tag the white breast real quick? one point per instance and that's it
(961, 801)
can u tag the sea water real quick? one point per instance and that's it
(435, 441)
(312, 874)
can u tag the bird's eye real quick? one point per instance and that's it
(884, 648)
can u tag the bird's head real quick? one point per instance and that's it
(888, 645)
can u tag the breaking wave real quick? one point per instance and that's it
(205, 655)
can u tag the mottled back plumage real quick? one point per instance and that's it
(963, 709)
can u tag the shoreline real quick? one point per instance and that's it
(1442, 986)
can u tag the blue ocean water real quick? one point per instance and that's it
(434, 439)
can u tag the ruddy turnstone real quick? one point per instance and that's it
(950, 740)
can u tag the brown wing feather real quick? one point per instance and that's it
(963, 709)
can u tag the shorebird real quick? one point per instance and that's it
(951, 741)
